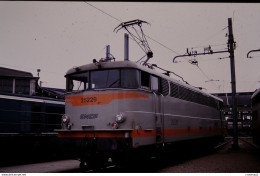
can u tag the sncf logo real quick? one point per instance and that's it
(88, 116)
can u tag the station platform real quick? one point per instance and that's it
(46, 167)
(245, 159)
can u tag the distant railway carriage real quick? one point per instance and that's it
(22, 114)
(230, 124)
(27, 126)
(112, 108)
(28, 116)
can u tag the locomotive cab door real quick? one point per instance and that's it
(159, 118)
(157, 109)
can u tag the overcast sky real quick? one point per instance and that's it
(56, 36)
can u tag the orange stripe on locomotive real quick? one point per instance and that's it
(101, 99)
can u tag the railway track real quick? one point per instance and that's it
(221, 145)
(150, 165)
(153, 164)
(245, 140)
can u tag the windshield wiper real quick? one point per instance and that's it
(113, 83)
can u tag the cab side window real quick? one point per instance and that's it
(145, 80)
(154, 83)
(150, 82)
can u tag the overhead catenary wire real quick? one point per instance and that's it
(147, 35)
(103, 12)
(215, 34)
(138, 31)
(207, 77)
(116, 19)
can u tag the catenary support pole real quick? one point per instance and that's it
(233, 83)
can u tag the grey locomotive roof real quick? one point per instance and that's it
(130, 64)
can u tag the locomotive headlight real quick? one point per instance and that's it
(120, 118)
(114, 125)
(65, 119)
(65, 122)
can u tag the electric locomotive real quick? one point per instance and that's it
(113, 109)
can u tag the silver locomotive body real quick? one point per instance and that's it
(122, 106)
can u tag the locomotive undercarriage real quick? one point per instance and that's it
(96, 153)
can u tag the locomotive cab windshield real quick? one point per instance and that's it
(100, 79)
